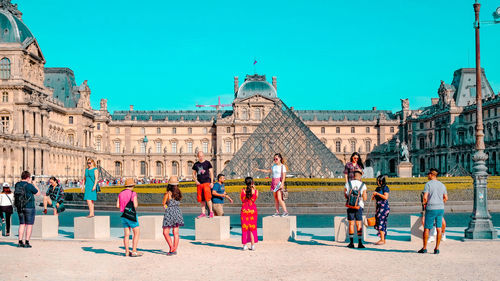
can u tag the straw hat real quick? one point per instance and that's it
(173, 180)
(129, 182)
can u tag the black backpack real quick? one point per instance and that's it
(20, 196)
(353, 197)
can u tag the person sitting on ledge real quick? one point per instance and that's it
(218, 195)
(55, 193)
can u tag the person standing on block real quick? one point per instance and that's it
(173, 215)
(126, 199)
(435, 195)
(24, 201)
(355, 193)
(218, 195)
(381, 195)
(90, 185)
(249, 214)
(203, 175)
(54, 196)
(6, 201)
(278, 171)
(353, 165)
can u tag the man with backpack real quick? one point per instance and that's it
(24, 201)
(355, 193)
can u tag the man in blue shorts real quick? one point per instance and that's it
(435, 195)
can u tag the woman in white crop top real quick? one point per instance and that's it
(278, 172)
(6, 202)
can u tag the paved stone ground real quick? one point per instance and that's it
(313, 256)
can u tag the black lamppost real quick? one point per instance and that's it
(145, 141)
(27, 138)
(480, 226)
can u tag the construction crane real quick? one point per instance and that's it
(216, 106)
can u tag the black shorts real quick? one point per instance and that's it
(27, 216)
(353, 214)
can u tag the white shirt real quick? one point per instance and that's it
(355, 186)
(4, 199)
(276, 171)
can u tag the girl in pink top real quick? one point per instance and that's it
(128, 195)
(249, 214)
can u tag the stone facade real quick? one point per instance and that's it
(49, 128)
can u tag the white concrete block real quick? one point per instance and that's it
(341, 227)
(46, 226)
(416, 228)
(215, 229)
(279, 228)
(97, 227)
(151, 227)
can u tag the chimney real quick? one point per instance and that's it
(131, 107)
(434, 101)
(374, 108)
(275, 83)
(236, 84)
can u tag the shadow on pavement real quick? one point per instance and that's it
(12, 244)
(379, 249)
(102, 251)
(216, 245)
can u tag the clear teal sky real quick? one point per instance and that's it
(326, 54)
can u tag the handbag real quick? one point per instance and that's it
(284, 189)
(369, 221)
(129, 211)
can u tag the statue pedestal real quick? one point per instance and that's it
(405, 170)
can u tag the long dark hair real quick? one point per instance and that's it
(359, 162)
(382, 180)
(176, 192)
(55, 180)
(248, 190)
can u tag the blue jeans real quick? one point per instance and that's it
(432, 216)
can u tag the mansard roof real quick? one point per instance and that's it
(339, 115)
(171, 115)
(464, 81)
(62, 81)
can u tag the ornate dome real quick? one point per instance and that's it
(13, 30)
(256, 85)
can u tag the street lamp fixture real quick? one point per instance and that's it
(480, 225)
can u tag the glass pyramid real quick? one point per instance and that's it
(283, 132)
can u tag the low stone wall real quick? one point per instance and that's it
(302, 197)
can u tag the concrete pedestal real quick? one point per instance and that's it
(279, 228)
(215, 229)
(341, 227)
(46, 226)
(405, 170)
(151, 227)
(92, 228)
(416, 228)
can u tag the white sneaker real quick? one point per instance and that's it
(277, 214)
(443, 237)
(252, 247)
(245, 247)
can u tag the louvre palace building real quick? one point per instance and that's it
(49, 127)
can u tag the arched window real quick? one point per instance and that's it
(4, 123)
(190, 147)
(175, 168)
(337, 146)
(353, 146)
(257, 114)
(5, 68)
(368, 146)
(322, 130)
(118, 169)
(189, 167)
(5, 97)
(159, 168)
(98, 144)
